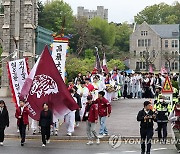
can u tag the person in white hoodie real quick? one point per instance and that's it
(70, 117)
(84, 93)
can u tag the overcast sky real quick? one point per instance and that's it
(119, 10)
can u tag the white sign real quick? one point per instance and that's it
(59, 56)
(18, 74)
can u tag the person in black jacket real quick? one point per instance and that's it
(146, 118)
(4, 120)
(45, 122)
(77, 113)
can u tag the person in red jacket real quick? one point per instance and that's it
(91, 118)
(22, 114)
(104, 110)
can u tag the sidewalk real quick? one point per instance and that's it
(122, 121)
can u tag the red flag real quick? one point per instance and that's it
(105, 64)
(45, 85)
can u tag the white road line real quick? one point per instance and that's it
(129, 151)
(159, 149)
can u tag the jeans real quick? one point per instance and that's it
(91, 130)
(146, 133)
(162, 126)
(103, 129)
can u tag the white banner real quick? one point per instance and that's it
(18, 73)
(59, 56)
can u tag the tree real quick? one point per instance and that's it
(169, 57)
(157, 14)
(123, 32)
(104, 30)
(83, 37)
(53, 14)
(75, 65)
(115, 63)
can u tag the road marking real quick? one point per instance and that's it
(159, 149)
(129, 151)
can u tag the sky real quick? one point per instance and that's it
(119, 10)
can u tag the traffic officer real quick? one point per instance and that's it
(146, 117)
(162, 110)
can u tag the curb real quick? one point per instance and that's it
(76, 138)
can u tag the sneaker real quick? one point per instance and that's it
(90, 143)
(34, 132)
(22, 144)
(56, 133)
(43, 145)
(98, 141)
(100, 136)
(69, 134)
(1, 143)
(48, 141)
(105, 134)
(77, 124)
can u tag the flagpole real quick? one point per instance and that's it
(179, 58)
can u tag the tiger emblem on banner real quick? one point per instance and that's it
(43, 85)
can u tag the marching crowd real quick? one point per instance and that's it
(94, 93)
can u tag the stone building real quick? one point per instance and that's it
(17, 32)
(155, 45)
(90, 14)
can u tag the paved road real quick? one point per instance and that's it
(122, 120)
(12, 146)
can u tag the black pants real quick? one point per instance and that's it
(162, 126)
(2, 134)
(146, 133)
(22, 130)
(45, 132)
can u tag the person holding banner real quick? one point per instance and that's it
(4, 120)
(22, 114)
(46, 123)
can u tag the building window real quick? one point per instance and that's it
(139, 43)
(137, 65)
(166, 43)
(166, 64)
(154, 54)
(134, 53)
(176, 55)
(144, 65)
(174, 43)
(149, 42)
(140, 65)
(142, 43)
(146, 42)
(144, 33)
(172, 65)
(176, 65)
(141, 54)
